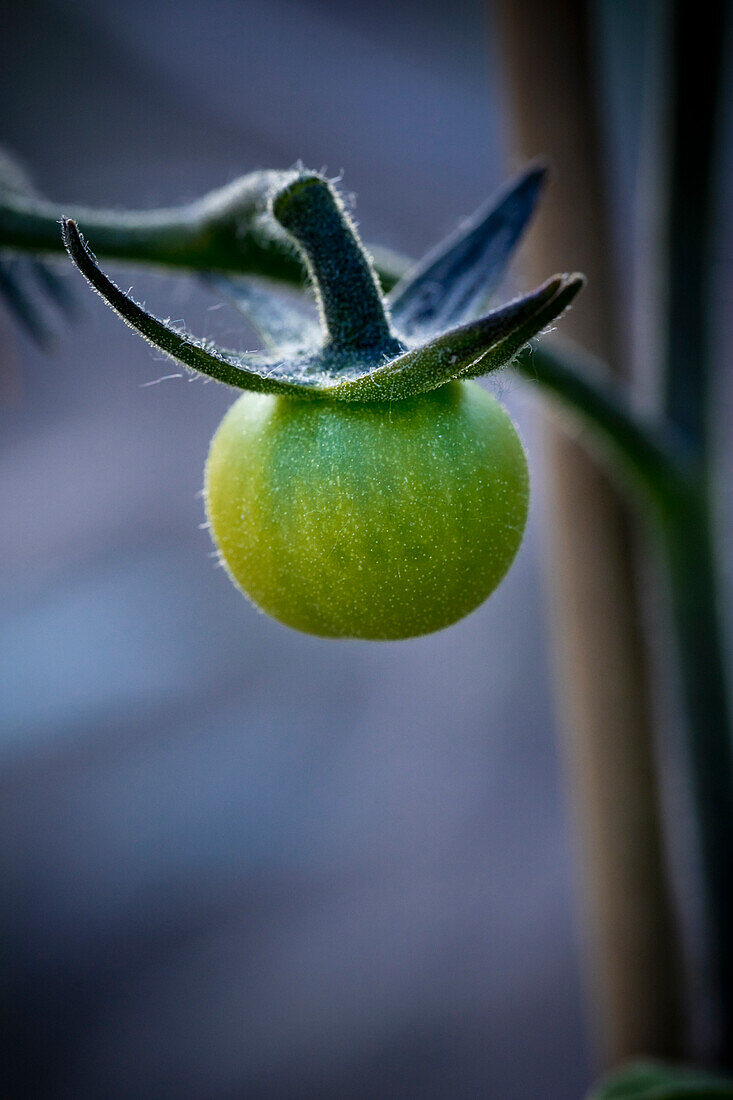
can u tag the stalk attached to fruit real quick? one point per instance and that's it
(363, 485)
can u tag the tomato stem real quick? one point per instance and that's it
(352, 308)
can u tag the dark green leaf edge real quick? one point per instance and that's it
(258, 375)
(452, 283)
(469, 351)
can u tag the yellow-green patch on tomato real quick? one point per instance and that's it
(377, 520)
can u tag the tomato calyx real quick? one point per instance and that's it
(369, 348)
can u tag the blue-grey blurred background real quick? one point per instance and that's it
(238, 861)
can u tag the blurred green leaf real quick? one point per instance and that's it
(654, 1081)
(25, 285)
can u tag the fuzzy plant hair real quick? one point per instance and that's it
(428, 331)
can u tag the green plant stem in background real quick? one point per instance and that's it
(693, 585)
(648, 456)
(696, 81)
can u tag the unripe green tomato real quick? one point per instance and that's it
(375, 520)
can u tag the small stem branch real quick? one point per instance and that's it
(652, 457)
(350, 301)
(224, 366)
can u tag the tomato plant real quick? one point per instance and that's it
(363, 486)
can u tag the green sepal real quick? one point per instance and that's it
(344, 375)
(467, 351)
(358, 357)
(452, 284)
(257, 373)
(550, 302)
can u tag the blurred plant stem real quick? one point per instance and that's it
(693, 585)
(601, 650)
(694, 95)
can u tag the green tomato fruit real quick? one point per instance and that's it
(378, 521)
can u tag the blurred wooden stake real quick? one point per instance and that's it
(603, 668)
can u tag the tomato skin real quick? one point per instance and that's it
(376, 521)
